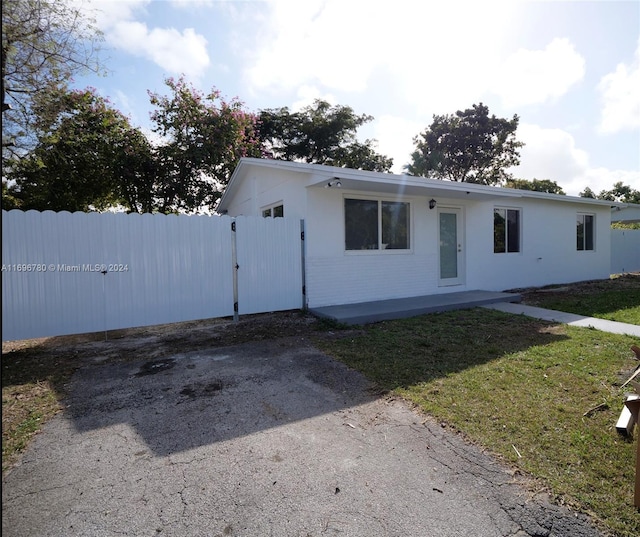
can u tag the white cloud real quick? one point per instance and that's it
(175, 51)
(309, 42)
(107, 12)
(621, 97)
(537, 76)
(308, 94)
(395, 138)
(599, 179)
(172, 50)
(552, 154)
(412, 46)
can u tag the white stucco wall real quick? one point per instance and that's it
(268, 187)
(336, 276)
(548, 253)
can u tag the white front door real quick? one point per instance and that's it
(451, 246)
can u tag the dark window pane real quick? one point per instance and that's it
(278, 211)
(580, 232)
(395, 225)
(513, 231)
(588, 232)
(361, 224)
(499, 231)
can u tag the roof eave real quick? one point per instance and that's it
(397, 184)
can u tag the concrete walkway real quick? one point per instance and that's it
(567, 318)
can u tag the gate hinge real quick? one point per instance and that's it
(235, 307)
(302, 235)
(233, 226)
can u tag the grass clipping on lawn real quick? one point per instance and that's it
(542, 396)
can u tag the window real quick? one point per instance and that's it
(506, 230)
(376, 225)
(273, 212)
(585, 231)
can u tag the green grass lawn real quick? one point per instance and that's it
(523, 389)
(616, 299)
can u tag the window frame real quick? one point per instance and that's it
(380, 228)
(271, 209)
(507, 239)
(585, 237)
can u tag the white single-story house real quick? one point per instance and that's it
(375, 236)
(629, 214)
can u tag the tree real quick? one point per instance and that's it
(320, 134)
(204, 138)
(468, 146)
(620, 192)
(89, 158)
(44, 44)
(587, 193)
(537, 185)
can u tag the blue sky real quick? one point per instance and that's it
(569, 70)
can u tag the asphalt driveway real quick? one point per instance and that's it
(260, 439)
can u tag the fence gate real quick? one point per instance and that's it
(268, 264)
(70, 273)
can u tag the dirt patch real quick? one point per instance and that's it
(154, 342)
(202, 390)
(533, 296)
(156, 366)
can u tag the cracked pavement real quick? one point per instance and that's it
(260, 439)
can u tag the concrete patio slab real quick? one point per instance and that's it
(402, 308)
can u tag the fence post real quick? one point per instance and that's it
(302, 266)
(234, 261)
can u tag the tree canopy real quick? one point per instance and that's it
(537, 185)
(87, 155)
(89, 158)
(204, 137)
(588, 193)
(468, 146)
(44, 44)
(320, 134)
(620, 192)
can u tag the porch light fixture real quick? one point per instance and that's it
(335, 182)
(432, 204)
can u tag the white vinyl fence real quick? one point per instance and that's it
(625, 251)
(70, 273)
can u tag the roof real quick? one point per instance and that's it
(629, 214)
(319, 176)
